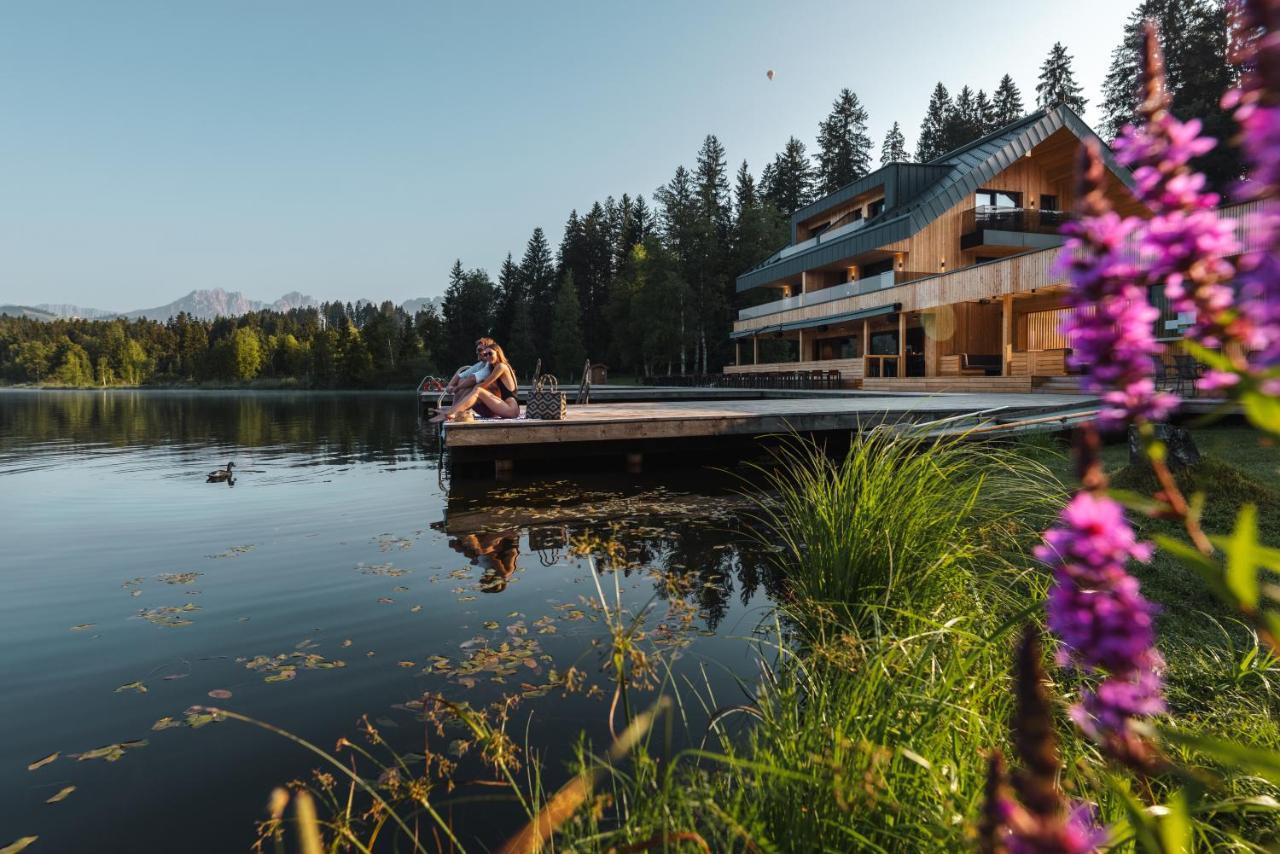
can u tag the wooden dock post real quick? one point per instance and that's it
(635, 463)
(503, 469)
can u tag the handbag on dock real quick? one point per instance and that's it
(546, 400)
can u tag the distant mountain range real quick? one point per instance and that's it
(203, 304)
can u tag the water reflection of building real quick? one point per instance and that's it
(495, 552)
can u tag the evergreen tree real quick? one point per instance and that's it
(468, 314)
(567, 352)
(963, 123)
(894, 147)
(986, 113)
(538, 280)
(1193, 39)
(712, 178)
(931, 142)
(1006, 103)
(844, 148)
(788, 181)
(1057, 84)
(520, 346)
(510, 292)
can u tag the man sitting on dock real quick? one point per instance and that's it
(467, 376)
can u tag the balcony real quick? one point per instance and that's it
(1019, 228)
(865, 285)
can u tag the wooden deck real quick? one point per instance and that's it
(633, 430)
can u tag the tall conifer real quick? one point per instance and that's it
(1057, 84)
(844, 147)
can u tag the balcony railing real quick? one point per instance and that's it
(1018, 220)
(865, 285)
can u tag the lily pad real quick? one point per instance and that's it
(220, 694)
(132, 686)
(62, 795)
(40, 763)
(110, 752)
(165, 722)
(21, 845)
(178, 577)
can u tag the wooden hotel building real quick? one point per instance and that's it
(934, 276)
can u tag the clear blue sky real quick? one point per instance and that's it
(354, 149)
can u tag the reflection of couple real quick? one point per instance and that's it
(495, 552)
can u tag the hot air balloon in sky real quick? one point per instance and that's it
(769, 74)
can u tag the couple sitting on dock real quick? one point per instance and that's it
(487, 388)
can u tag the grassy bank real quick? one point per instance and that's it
(885, 681)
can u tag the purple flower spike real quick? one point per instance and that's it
(1110, 328)
(1257, 112)
(1105, 623)
(1185, 244)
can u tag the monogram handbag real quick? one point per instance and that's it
(546, 400)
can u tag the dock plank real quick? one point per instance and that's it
(677, 419)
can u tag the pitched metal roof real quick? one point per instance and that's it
(959, 174)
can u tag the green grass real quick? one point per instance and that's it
(886, 682)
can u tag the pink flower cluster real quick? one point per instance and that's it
(1185, 244)
(1104, 622)
(1110, 329)
(1257, 112)
(1079, 833)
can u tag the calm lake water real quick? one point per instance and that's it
(130, 588)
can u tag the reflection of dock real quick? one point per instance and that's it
(632, 430)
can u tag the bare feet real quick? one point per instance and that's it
(438, 418)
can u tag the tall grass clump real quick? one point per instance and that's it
(900, 521)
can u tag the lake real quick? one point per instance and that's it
(341, 575)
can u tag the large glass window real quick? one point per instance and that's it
(997, 199)
(875, 209)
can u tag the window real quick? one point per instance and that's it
(875, 209)
(997, 199)
(1049, 203)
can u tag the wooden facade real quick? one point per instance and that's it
(987, 308)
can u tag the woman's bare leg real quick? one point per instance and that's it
(468, 400)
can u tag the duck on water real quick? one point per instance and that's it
(221, 475)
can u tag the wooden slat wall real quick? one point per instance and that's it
(1044, 329)
(1017, 274)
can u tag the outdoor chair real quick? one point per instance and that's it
(1164, 378)
(1188, 372)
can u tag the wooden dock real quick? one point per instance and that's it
(633, 430)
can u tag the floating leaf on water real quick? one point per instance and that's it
(220, 694)
(306, 644)
(197, 718)
(466, 682)
(346, 643)
(234, 551)
(40, 763)
(406, 664)
(21, 845)
(458, 747)
(165, 722)
(132, 686)
(168, 616)
(490, 624)
(242, 620)
(385, 600)
(82, 627)
(173, 676)
(387, 722)
(381, 569)
(62, 795)
(465, 598)
(283, 675)
(178, 577)
(400, 589)
(110, 752)
(415, 609)
(136, 593)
